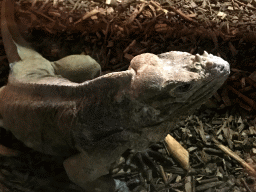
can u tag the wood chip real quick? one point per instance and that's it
(177, 151)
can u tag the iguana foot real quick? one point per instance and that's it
(120, 186)
(108, 184)
(145, 162)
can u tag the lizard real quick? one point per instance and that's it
(67, 108)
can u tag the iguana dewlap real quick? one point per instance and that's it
(63, 107)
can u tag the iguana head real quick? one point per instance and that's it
(176, 82)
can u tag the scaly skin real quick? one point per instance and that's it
(63, 108)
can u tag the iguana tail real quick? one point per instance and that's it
(16, 47)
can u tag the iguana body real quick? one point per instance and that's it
(45, 105)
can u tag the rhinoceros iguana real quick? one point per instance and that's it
(66, 108)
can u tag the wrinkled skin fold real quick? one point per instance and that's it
(66, 108)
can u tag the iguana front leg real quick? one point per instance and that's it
(86, 171)
(90, 170)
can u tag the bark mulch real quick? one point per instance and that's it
(220, 136)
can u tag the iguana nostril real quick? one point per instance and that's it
(221, 68)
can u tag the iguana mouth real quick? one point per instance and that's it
(202, 94)
(199, 97)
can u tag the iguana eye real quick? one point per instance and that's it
(183, 88)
